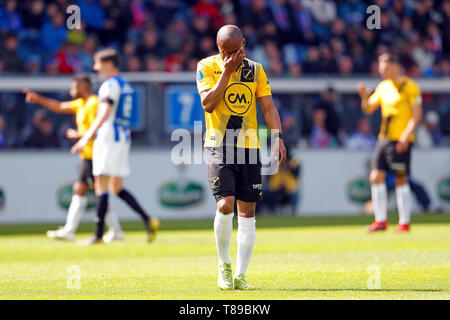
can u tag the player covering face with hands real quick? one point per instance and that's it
(229, 85)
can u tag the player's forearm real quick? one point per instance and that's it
(51, 104)
(412, 123)
(211, 99)
(273, 120)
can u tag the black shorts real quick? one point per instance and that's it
(86, 175)
(387, 158)
(241, 179)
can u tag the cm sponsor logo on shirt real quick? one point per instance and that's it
(238, 98)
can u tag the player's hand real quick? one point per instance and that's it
(363, 91)
(30, 96)
(402, 145)
(232, 63)
(280, 150)
(79, 146)
(72, 134)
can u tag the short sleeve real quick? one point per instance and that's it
(375, 98)
(75, 104)
(263, 85)
(109, 91)
(205, 76)
(414, 95)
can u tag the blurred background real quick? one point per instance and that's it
(314, 52)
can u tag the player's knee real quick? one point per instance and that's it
(225, 205)
(115, 188)
(246, 210)
(80, 188)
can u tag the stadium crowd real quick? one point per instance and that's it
(289, 37)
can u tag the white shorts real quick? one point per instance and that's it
(111, 159)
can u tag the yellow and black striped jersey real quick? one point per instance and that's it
(237, 108)
(396, 100)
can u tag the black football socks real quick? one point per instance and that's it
(132, 202)
(102, 208)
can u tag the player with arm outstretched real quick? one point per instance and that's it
(401, 110)
(84, 106)
(111, 129)
(229, 85)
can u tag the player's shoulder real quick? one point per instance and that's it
(209, 61)
(112, 81)
(250, 62)
(110, 84)
(92, 100)
(410, 82)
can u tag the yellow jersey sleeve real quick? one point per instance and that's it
(74, 105)
(413, 93)
(205, 76)
(263, 87)
(375, 98)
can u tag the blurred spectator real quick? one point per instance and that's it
(312, 63)
(33, 15)
(42, 134)
(11, 60)
(153, 64)
(323, 11)
(328, 104)
(257, 13)
(93, 14)
(345, 65)
(428, 134)
(67, 58)
(289, 126)
(119, 18)
(55, 32)
(176, 33)
(133, 64)
(149, 45)
(320, 137)
(174, 63)
(86, 53)
(281, 189)
(362, 138)
(161, 11)
(10, 17)
(209, 9)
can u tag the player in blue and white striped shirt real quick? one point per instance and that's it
(112, 143)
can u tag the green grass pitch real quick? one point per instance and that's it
(294, 258)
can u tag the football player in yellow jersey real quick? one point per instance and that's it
(401, 110)
(84, 106)
(229, 85)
